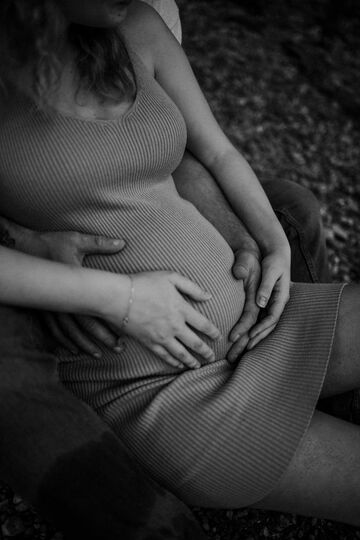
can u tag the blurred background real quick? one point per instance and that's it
(283, 80)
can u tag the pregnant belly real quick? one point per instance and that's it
(200, 253)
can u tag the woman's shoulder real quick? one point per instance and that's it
(143, 30)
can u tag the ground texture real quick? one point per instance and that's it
(282, 78)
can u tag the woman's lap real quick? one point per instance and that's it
(221, 436)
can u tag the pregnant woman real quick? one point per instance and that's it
(99, 106)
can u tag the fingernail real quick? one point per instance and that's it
(233, 339)
(262, 301)
(118, 242)
(249, 347)
(118, 349)
(97, 354)
(196, 365)
(207, 295)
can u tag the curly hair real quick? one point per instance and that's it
(34, 32)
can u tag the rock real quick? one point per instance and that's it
(13, 526)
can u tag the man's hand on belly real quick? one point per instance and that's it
(246, 267)
(79, 333)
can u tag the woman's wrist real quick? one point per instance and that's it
(112, 294)
(275, 241)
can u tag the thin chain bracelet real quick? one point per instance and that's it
(131, 300)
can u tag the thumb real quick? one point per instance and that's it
(240, 271)
(100, 244)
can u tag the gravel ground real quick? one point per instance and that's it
(282, 78)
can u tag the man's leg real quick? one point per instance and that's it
(58, 454)
(299, 213)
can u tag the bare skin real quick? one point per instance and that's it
(323, 478)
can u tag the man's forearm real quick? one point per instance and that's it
(195, 184)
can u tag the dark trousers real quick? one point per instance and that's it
(299, 213)
(60, 456)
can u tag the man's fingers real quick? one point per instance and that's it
(57, 333)
(249, 315)
(98, 330)
(240, 271)
(96, 244)
(77, 335)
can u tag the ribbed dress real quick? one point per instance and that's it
(218, 436)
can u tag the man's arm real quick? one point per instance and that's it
(195, 184)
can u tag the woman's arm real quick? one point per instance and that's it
(149, 306)
(28, 281)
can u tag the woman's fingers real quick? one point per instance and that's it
(237, 348)
(199, 322)
(178, 351)
(279, 299)
(268, 281)
(165, 355)
(262, 335)
(188, 287)
(175, 351)
(196, 344)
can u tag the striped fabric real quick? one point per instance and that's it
(220, 435)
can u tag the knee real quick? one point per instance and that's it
(298, 204)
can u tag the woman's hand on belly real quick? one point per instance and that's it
(164, 322)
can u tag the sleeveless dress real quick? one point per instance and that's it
(218, 436)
